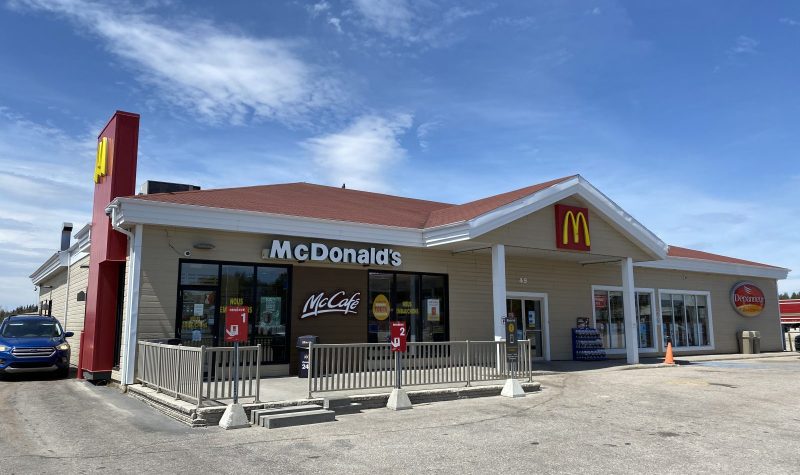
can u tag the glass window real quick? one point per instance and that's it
(667, 318)
(601, 316)
(702, 320)
(616, 329)
(193, 273)
(685, 319)
(270, 321)
(433, 307)
(609, 313)
(406, 304)
(420, 300)
(236, 289)
(198, 308)
(380, 298)
(645, 312)
(208, 289)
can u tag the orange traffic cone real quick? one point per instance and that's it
(668, 359)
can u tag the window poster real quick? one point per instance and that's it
(198, 310)
(531, 319)
(269, 321)
(434, 310)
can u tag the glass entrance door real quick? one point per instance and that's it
(197, 317)
(530, 322)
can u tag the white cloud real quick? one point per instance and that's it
(221, 75)
(46, 179)
(363, 154)
(391, 17)
(757, 229)
(789, 21)
(424, 131)
(318, 8)
(515, 22)
(745, 45)
(412, 23)
(337, 23)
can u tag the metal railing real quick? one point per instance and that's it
(372, 365)
(198, 374)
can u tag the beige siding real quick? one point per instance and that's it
(725, 319)
(63, 302)
(569, 289)
(469, 276)
(567, 284)
(538, 231)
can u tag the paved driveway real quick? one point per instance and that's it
(709, 417)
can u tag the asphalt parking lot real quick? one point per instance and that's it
(709, 417)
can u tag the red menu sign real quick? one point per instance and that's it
(236, 324)
(398, 337)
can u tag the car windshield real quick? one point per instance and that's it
(32, 329)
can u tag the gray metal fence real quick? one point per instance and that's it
(198, 374)
(372, 365)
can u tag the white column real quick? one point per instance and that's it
(629, 306)
(130, 330)
(499, 289)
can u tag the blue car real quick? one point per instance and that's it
(33, 343)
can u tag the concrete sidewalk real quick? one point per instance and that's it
(293, 391)
(555, 367)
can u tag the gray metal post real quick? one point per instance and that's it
(397, 369)
(236, 372)
(258, 374)
(469, 367)
(310, 371)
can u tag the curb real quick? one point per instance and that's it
(209, 416)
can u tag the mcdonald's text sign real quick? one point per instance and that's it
(572, 228)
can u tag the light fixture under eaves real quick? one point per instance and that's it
(207, 246)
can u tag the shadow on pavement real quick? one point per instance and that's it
(48, 376)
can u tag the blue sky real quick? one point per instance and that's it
(683, 112)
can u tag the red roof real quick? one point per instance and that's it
(675, 251)
(311, 201)
(339, 204)
(473, 209)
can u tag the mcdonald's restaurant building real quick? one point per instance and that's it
(341, 264)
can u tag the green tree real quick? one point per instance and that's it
(783, 295)
(21, 309)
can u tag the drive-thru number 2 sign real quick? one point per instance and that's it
(236, 324)
(398, 337)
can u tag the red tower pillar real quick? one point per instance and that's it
(114, 175)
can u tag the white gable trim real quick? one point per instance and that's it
(511, 212)
(132, 211)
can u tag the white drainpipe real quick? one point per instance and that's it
(129, 331)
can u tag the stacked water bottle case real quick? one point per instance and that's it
(587, 345)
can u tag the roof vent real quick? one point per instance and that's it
(150, 187)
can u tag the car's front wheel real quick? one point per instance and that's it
(63, 373)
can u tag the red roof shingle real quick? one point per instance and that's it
(339, 204)
(473, 209)
(310, 201)
(675, 251)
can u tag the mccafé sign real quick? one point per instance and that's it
(747, 299)
(337, 302)
(572, 228)
(320, 252)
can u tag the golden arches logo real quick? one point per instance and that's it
(578, 221)
(101, 161)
